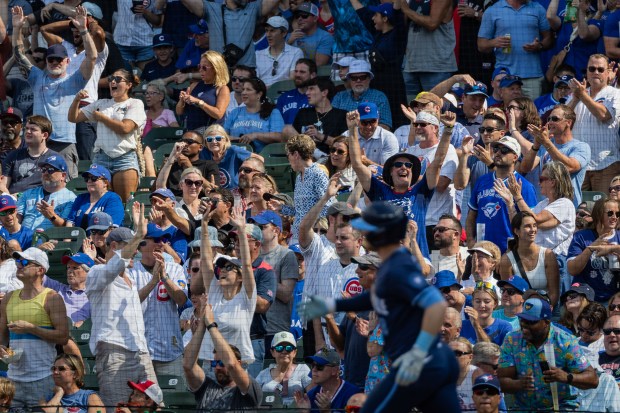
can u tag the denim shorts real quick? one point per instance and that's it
(119, 164)
(136, 53)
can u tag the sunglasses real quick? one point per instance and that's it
(614, 188)
(214, 138)
(352, 409)
(8, 212)
(358, 78)
(587, 332)
(528, 322)
(368, 122)
(238, 79)
(502, 149)
(189, 141)
(510, 291)
(593, 69)
(98, 231)
(247, 170)
(61, 369)
(572, 296)
(204, 68)
(485, 285)
(320, 367)
(489, 129)
(49, 170)
(38, 59)
(614, 307)
(116, 79)
(24, 263)
(554, 118)
(608, 331)
(443, 229)
(274, 68)
(612, 213)
(302, 16)
(445, 290)
(337, 151)
(493, 366)
(583, 214)
(216, 363)
(195, 269)
(459, 353)
(320, 231)
(189, 182)
(55, 59)
(288, 348)
(364, 267)
(400, 164)
(543, 179)
(487, 391)
(90, 178)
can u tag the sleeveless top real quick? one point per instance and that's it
(537, 277)
(194, 116)
(464, 391)
(37, 355)
(76, 402)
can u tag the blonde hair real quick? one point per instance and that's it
(7, 390)
(491, 247)
(465, 342)
(218, 130)
(268, 179)
(191, 170)
(216, 59)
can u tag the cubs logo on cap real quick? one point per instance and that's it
(368, 110)
(353, 286)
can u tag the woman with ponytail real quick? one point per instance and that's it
(258, 123)
(536, 264)
(120, 121)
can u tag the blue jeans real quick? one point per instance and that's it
(86, 135)
(134, 54)
(121, 163)
(258, 346)
(416, 82)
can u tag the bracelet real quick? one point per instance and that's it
(54, 218)
(212, 325)
(491, 165)
(84, 32)
(535, 149)
(518, 200)
(190, 75)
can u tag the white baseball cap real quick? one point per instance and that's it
(35, 255)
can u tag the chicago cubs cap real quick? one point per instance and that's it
(368, 110)
(7, 202)
(162, 40)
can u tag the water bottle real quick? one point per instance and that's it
(612, 260)
(570, 13)
(37, 237)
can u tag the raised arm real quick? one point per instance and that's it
(461, 176)
(432, 172)
(201, 282)
(18, 39)
(552, 15)
(75, 114)
(305, 227)
(196, 7)
(238, 220)
(355, 151)
(444, 87)
(51, 32)
(81, 23)
(586, 32)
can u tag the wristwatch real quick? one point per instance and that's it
(210, 326)
(569, 378)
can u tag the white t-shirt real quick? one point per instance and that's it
(75, 61)
(299, 380)
(8, 277)
(441, 202)
(448, 262)
(234, 318)
(559, 238)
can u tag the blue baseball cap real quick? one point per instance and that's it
(98, 171)
(477, 89)
(368, 110)
(445, 278)
(79, 258)
(325, 357)
(7, 202)
(199, 28)
(510, 80)
(563, 80)
(500, 71)
(295, 248)
(162, 40)
(385, 9)
(515, 281)
(535, 309)
(164, 193)
(155, 231)
(267, 217)
(57, 50)
(55, 161)
(100, 221)
(486, 381)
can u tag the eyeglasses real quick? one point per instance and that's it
(587, 332)
(528, 322)
(320, 231)
(358, 78)
(217, 138)
(493, 366)
(554, 118)
(116, 79)
(21, 263)
(216, 363)
(150, 93)
(485, 285)
(368, 122)
(91, 178)
(337, 151)
(195, 269)
(49, 170)
(189, 141)
(318, 367)
(614, 307)
(443, 229)
(514, 107)
(612, 213)
(543, 179)
(61, 369)
(614, 188)
(352, 409)
(274, 68)
(204, 68)
(489, 129)
(238, 79)
(288, 348)
(364, 267)
(502, 149)
(400, 164)
(593, 69)
(459, 353)
(247, 170)
(583, 214)
(510, 291)
(608, 331)
(98, 231)
(486, 391)
(55, 59)
(189, 182)
(8, 212)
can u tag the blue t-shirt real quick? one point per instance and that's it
(339, 402)
(612, 28)
(153, 70)
(190, 55)
(296, 326)
(493, 220)
(496, 331)
(596, 273)
(76, 402)
(289, 104)
(350, 34)
(178, 241)
(580, 50)
(229, 165)
(240, 122)
(545, 103)
(110, 203)
(414, 202)
(23, 236)
(27, 206)
(318, 42)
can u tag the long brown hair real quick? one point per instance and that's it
(530, 113)
(328, 164)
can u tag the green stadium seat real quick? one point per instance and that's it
(147, 183)
(278, 88)
(142, 197)
(160, 136)
(84, 165)
(67, 237)
(180, 400)
(81, 334)
(592, 196)
(161, 154)
(91, 382)
(57, 270)
(171, 382)
(77, 185)
(324, 71)
(85, 351)
(243, 145)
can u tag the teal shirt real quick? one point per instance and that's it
(514, 321)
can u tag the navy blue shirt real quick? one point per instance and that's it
(340, 399)
(153, 70)
(266, 284)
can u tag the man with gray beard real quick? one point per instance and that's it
(11, 131)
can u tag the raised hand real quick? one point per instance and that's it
(140, 225)
(467, 147)
(514, 186)
(408, 112)
(483, 154)
(18, 17)
(448, 119)
(80, 21)
(237, 217)
(334, 185)
(353, 119)
(503, 191)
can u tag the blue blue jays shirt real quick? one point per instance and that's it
(493, 220)
(289, 104)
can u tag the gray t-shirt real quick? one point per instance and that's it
(212, 397)
(286, 267)
(240, 24)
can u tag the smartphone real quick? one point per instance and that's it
(544, 366)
